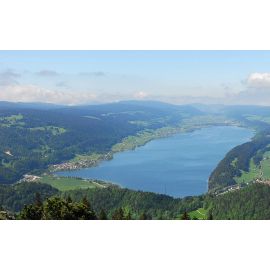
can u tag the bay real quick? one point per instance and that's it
(178, 166)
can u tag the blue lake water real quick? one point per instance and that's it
(179, 165)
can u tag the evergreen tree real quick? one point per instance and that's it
(118, 214)
(143, 216)
(31, 212)
(38, 200)
(85, 202)
(210, 216)
(128, 216)
(102, 215)
(185, 216)
(69, 200)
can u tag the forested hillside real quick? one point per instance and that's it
(109, 200)
(14, 197)
(237, 161)
(40, 201)
(33, 137)
(252, 202)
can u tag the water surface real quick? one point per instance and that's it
(179, 165)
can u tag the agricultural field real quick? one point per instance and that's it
(265, 164)
(69, 183)
(54, 130)
(252, 174)
(262, 171)
(200, 213)
(265, 119)
(12, 120)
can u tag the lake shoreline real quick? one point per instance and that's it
(93, 160)
(161, 168)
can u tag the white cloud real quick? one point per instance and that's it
(33, 93)
(258, 80)
(140, 95)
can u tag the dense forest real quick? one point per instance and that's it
(109, 200)
(252, 202)
(40, 201)
(14, 197)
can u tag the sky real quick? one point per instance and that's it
(92, 77)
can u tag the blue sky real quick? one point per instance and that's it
(75, 77)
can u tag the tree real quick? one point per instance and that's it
(143, 216)
(31, 212)
(118, 214)
(69, 200)
(185, 216)
(38, 200)
(87, 211)
(210, 216)
(85, 202)
(128, 216)
(102, 215)
(53, 209)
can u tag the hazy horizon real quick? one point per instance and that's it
(176, 77)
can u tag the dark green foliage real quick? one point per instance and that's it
(14, 197)
(185, 216)
(38, 200)
(107, 202)
(118, 214)
(102, 215)
(56, 208)
(143, 216)
(128, 216)
(134, 203)
(210, 215)
(31, 212)
(225, 172)
(252, 202)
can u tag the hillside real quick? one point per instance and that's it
(35, 136)
(32, 138)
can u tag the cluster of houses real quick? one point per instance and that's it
(30, 178)
(82, 163)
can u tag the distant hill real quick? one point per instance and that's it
(22, 105)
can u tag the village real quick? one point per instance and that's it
(84, 162)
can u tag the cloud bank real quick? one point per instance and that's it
(258, 80)
(256, 92)
(33, 93)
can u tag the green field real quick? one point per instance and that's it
(200, 213)
(265, 119)
(12, 120)
(262, 171)
(69, 183)
(54, 130)
(265, 163)
(252, 174)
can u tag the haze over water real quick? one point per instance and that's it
(178, 166)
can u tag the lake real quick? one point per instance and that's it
(178, 166)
